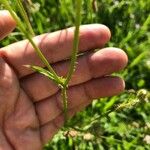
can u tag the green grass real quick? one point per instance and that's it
(129, 21)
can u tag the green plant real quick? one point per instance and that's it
(62, 82)
(124, 128)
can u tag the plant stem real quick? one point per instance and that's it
(75, 42)
(65, 102)
(25, 17)
(44, 60)
(73, 57)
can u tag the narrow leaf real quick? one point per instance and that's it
(41, 71)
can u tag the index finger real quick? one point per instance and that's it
(7, 24)
(55, 46)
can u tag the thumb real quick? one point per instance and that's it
(7, 23)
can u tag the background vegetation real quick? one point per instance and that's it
(99, 126)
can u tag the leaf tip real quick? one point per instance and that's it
(27, 66)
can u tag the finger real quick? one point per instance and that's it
(9, 87)
(103, 62)
(21, 125)
(4, 144)
(56, 46)
(51, 128)
(50, 110)
(7, 24)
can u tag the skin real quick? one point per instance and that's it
(30, 104)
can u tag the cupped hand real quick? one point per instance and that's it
(31, 109)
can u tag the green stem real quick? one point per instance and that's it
(24, 15)
(73, 57)
(42, 57)
(138, 59)
(75, 42)
(65, 102)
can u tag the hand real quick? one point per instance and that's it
(30, 104)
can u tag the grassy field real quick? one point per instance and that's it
(99, 126)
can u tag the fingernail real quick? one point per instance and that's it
(4, 12)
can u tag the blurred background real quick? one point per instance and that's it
(116, 123)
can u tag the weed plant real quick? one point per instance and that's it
(62, 82)
(117, 123)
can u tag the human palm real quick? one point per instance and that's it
(31, 109)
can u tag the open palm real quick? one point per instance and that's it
(31, 110)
